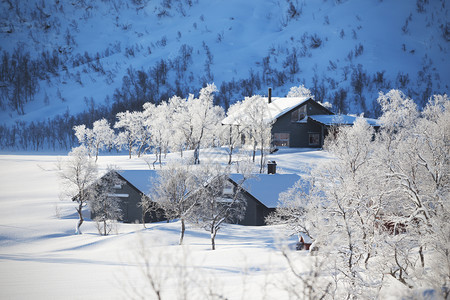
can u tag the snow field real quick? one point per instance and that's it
(40, 256)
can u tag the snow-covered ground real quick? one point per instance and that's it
(41, 258)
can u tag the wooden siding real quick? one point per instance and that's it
(298, 131)
(131, 210)
(255, 212)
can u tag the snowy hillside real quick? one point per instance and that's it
(62, 58)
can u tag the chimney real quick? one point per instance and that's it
(270, 95)
(271, 167)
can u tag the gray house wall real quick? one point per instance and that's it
(131, 210)
(255, 212)
(299, 132)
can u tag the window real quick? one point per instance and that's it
(118, 186)
(298, 114)
(314, 139)
(281, 139)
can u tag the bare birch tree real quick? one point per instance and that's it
(172, 190)
(100, 137)
(77, 173)
(220, 201)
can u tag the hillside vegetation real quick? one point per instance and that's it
(65, 63)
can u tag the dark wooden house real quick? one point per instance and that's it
(299, 122)
(294, 129)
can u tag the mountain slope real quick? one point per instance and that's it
(85, 53)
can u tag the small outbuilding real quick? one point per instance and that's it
(304, 242)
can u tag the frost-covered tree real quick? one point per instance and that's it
(413, 153)
(172, 191)
(85, 137)
(196, 121)
(157, 120)
(77, 173)
(259, 123)
(347, 215)
(214, 206)
(133, 135)
(232, 134)
(100, 137)
(294, 203)
(300, 91)
(103, 136)
(380, 207)
(395, 160)
(180, 120)
(249, 121)
(338, 208)
(204, 119)
(104, 204)
(183, 120)
(353, 205)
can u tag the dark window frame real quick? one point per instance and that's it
(299, 114)
(314, 139)
(279, 140)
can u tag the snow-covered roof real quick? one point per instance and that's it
(305, 237)
(278, 107)
(267, 187)
(141, 179)
(264, 187)
(341, 120)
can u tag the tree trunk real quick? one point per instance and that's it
(213, 238)
(80, 216)
(141, 149)
(230, 145)
(422, 258)
(96, 154)
(261, 168)
(156, 159)
(183, 228)
(143, 220)
(159, 156)
(197, 155)
(104, 227)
